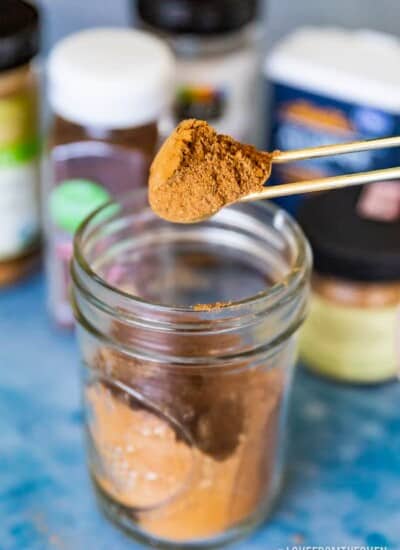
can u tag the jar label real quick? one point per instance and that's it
(351, 343)
(202, 102)
(19, 174)
(19, 208)
(221, 89)
(303, 119)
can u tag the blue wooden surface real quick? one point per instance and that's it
(343, 477)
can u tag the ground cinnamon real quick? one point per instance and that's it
(211, 307)
(199, 475)
(198, 171)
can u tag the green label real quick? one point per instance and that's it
(19, 154)
(19, 134)
(73, 200)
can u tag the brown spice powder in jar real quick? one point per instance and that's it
(207, 469)
(197, 172)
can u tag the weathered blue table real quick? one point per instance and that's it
(343, 477)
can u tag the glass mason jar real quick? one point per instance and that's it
(187, 334)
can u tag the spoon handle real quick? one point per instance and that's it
(282, 157)
(323, 184)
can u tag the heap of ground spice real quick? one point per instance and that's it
(205, 471)
(184, 452)
(197, 172)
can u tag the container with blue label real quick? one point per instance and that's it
(330, 85)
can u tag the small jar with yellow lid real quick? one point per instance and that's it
(353, 330)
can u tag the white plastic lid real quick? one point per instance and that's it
(111, 78)
(356, 66)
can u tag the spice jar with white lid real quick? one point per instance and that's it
(215, 42)
(19, 140)
(108, 89)
(353, 330)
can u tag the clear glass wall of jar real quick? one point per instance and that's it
(188, 339)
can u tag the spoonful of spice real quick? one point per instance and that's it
(198, 171)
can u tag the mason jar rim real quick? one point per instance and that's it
(298, 273)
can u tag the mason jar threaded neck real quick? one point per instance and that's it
(134, 276)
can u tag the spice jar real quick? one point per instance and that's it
(323, 91)
(108, 88)
(185, 404)
(215, 42)
(19, 140)
(352, 333)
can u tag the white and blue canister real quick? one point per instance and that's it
(330, 85)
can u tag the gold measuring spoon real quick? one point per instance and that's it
(334, 182)
(197, 172)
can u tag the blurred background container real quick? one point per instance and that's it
(216, 45)
(66, 16)
(19, 140)
(103, 136)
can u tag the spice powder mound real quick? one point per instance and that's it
(197, 172)
(186, 454)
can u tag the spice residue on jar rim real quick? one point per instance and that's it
(197, 172)
(212, 307)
